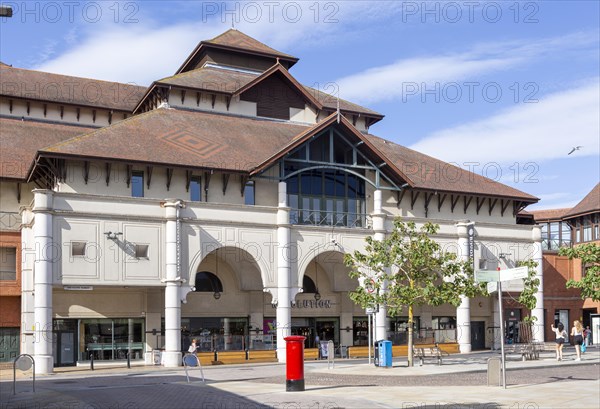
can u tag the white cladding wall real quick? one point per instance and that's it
(265, 191)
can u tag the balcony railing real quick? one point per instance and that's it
(10, 221)
(330, 218)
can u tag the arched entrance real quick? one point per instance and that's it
(227, 297)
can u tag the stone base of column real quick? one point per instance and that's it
(171, 359)
(281, 355)
(464, 348)
(44, 364)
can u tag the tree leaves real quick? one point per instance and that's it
(590, 259)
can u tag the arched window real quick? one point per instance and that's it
(308, 285)
(208, 282)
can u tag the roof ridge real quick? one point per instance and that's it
(249, 37)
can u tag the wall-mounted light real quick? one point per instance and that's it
(113, 235)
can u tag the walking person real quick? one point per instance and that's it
(561, 334)
(577, 334)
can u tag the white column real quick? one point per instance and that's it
(463, 312)
(381, 323)
(27, 285)
(172, 353)
(538, 311)
(284, 308)
(44, 250)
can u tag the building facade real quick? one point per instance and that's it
(218, 205)
(565, 228)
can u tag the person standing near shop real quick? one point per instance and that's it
(577, 334)
(587, 335)
(561, 334)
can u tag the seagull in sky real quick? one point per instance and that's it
(575, 148)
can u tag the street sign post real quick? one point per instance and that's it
(494, 281)
(486, 276)
(514, 273)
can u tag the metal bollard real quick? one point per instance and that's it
(92, 361)
(216, 356)
(128, 360)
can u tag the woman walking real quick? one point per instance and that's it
(561, 334)
(577, 334)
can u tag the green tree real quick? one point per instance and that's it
(590, 260)
(416, 271)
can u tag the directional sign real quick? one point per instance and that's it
(485, 276)
(492, 287)
(514, 273)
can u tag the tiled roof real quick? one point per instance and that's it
(329, 101)
(433, 174)
(589, 204)
(183, 138)
(210, 79)
(236, 39)
(45, 86)
(226, 81)
(20, 141)
(549, 214)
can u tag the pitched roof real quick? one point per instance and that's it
(432, 174)
(230, 81)
(589, 204)
(330, 101)
(549, 214)
(21, 139)
(45, 86)
(210, 79)
(235, 40)
(182, 138)
(278, 69)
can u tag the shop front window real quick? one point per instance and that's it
(112, 339)
(215, 333)
(398, 330)
(444, 329)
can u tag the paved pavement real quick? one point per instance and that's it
(461, 382)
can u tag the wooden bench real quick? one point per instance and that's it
(527, 351)
(429, 352)
(311, 354)
(263, 355)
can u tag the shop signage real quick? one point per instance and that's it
(78, 287)
(301, 304)
(471, 243)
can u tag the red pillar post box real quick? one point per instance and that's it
(294, 366)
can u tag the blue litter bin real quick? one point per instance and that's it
(384, 354)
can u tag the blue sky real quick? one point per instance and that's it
(504, 88)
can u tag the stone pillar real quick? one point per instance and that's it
(44, 251)
(381, 323)
(463, 312)
(538, 329)
(284, 308)
(172, 353)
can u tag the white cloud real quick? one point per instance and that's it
(146, 51)
(399, 79)
(529, 132)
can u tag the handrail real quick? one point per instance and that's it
(330, 218)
